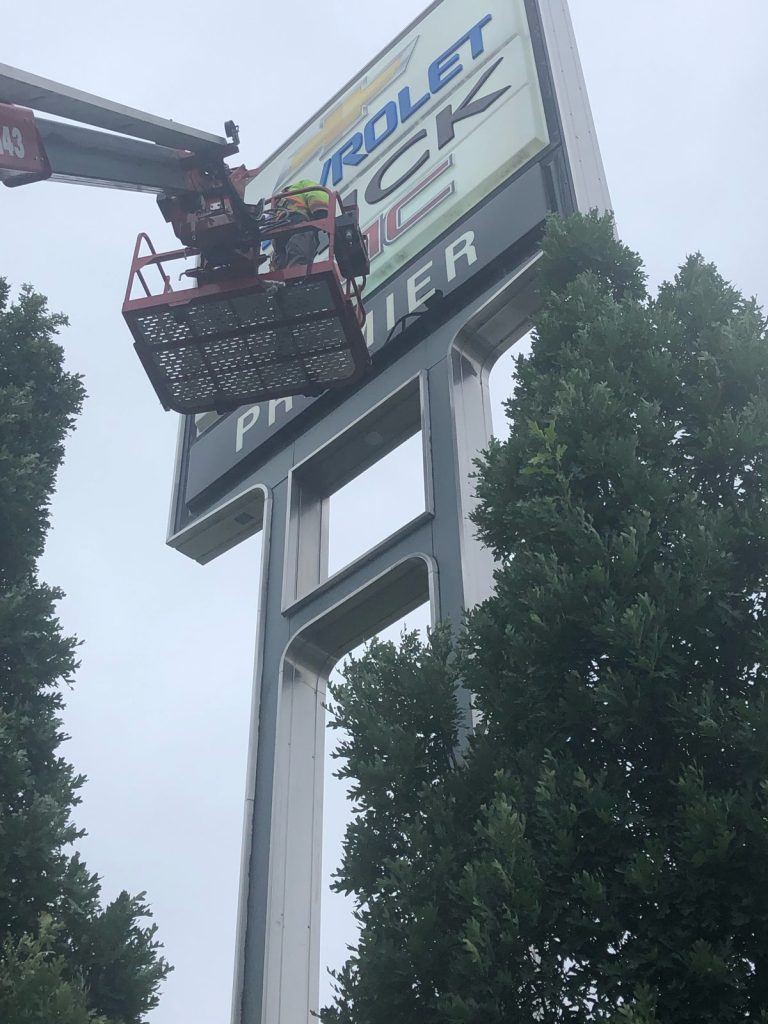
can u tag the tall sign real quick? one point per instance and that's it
(456, 143)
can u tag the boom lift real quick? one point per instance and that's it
(232, 331)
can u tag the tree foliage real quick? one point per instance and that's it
(63, 956)
(601, 852)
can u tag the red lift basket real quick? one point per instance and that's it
(246, 339)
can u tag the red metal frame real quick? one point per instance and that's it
(158, 297)
(350, 289)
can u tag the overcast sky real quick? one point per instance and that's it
(160, 711)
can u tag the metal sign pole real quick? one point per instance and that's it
(309, 620)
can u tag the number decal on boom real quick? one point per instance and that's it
(12, 142)
(18, 140)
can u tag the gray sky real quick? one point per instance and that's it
(159, 715)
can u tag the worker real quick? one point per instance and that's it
(299, 249)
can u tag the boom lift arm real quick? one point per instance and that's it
(138, 151)
(238, 332)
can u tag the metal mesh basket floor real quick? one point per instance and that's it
(217, 352)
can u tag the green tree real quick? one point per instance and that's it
(64, 957)
(601, 852)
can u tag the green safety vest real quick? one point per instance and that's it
(308, 203)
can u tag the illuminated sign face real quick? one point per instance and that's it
(442, 119)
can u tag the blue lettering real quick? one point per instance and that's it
(389, 111)
(349, 154)
(446, 66)
(407, 108)
(475, 36)
(440, 72)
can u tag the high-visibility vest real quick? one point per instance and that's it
(308, 203)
